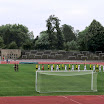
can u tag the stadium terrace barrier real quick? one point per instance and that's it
(44, 56)
(38, 56)
(53, 53)
(31, 56)
(27, 53)
(28, 62)
(85, 52)
(24, 56)
(76, 53)
(61, 52)
(33, 51)
(79, 56)
(72, 58)
(84, 57)
(39, 53)
(51, 57)
(96, 57)
(47, 51)
(59, 56)
(98, 52)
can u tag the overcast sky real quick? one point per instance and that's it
(34, 13)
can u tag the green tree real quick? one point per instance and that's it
(15, 32)
(82, 39)
(60, 39)
(13, 45)
(1, 42)
(92, 37)
(72, 45)
(68, 32)
(54, 33)
(42, 41)
(27, 45)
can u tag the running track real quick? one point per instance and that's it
(54, 62)
(86, 99)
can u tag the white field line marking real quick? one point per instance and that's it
(64, 97)
(100, 96)
(70, 99)
(75, 101)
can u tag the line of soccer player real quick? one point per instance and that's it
(70, 67)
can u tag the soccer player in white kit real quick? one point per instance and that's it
(99, 68)
(65, 67)
(85, 67)
(51, 67)
(103, 68)
(57, 68)
(78, 67)
(38, 67)
(72, 67)
(93, 67)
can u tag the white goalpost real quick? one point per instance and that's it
(66, 81)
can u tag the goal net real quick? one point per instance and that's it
(66, 81)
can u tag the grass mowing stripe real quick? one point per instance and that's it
(20, 83)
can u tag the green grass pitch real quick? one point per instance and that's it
(22, 83)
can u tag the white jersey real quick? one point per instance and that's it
(78, 67)
(99, 68)
(65, 67)
(93, 67)
(103, 68)
(51, 67)
(72, 67)
(57, 68)
(84, 67)
(38, 67)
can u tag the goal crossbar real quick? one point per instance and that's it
(66, 81)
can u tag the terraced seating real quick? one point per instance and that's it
(31, 56)
(51, 57)
(71, 57)
(38, 57)
(47, 51)
(98, 52)
(40, 53)
(44, 56)
(84, 57)
(24, 56)
(61, 54)
(33, 51)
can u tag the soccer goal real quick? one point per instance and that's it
(66, 81)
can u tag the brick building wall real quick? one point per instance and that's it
(10, 53)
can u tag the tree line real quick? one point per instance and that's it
(56, 37)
